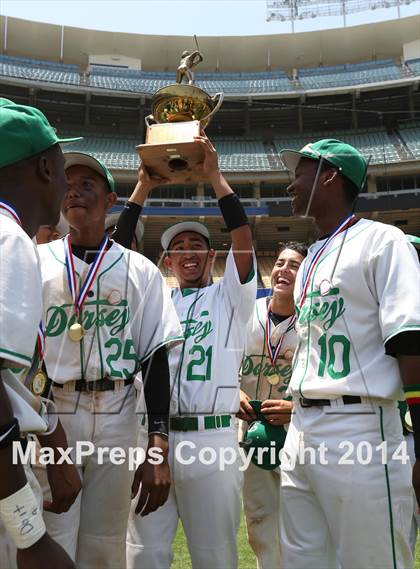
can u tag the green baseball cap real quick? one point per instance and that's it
(83, 159)
(24, 132)
(346, 158)
(262, 435)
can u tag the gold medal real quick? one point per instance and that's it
(273, 379)
(39, 382)
(408, 423)
(76, 332)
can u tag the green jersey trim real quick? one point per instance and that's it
(406, 328)
(169, 340)
(388, 492)
(51, 250)
(15, 357)
(251, 275)
(98, 331)
(188, 291)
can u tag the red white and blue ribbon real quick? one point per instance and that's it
(273, 351)
(41, 334)
(5, 206)
(308, 268)
(79, 297)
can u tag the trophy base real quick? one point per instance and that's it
(170, 151)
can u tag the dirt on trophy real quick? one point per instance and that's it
(179, 112)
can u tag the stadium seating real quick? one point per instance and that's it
(148, 82)
(234, 153)
(265, 266)
(218, 267)
(414, 66)
(372, 143)
(410, 133)
(242, 153)
(36, 70)
(351, 74)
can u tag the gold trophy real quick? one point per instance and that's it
(179, 112)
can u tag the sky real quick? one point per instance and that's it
(179, 17)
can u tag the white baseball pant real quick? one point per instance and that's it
(93, 531)
(206, 499)
(261, 499)
(346, 515)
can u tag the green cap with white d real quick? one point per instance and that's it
(24, 132)
(264, 440)
(345, 157)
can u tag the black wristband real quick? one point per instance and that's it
(9, 433)
(233, 212)
(415, 419)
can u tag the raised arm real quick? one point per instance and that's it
(127, 222)
(232, 210)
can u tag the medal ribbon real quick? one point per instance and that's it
(40, 335)
(80, 297)
(273, 352)
(308, 271)
(11, 211)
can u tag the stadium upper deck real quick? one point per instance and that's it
(359, 84)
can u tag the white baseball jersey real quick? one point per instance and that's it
(20, 315)
(205, 369)
(260, 379)
(372, 296)
(127, 315)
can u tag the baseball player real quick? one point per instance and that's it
(408, 434)
(32, 183)
(205, 389)
(346, 492)
(107, 313)
(265, 374)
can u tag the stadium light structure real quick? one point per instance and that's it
(292, 10)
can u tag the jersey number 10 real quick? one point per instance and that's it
(328, 357)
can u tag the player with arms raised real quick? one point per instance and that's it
(205, 387)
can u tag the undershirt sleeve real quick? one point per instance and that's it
(155, 372)
(125, 229)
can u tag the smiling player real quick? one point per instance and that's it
(266, 371)
(358, 329)
(205, 388)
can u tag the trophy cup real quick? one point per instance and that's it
(179, 112)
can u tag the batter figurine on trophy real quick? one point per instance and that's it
(179, 112)
(188, 59)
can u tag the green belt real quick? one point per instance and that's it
(191, 423)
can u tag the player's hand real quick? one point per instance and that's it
(44, 554)
(145, 184)
(65, 485)
(416, 480)
(210, 166)
(155, 479)
(246, 412)
(277, 411)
